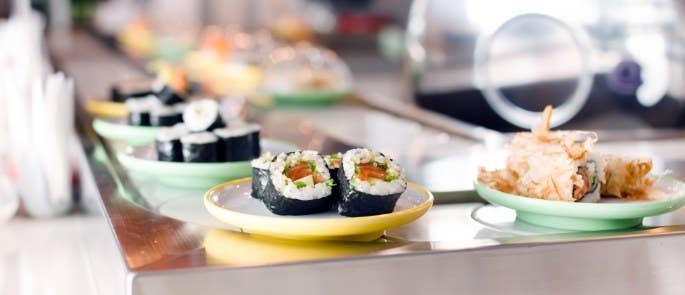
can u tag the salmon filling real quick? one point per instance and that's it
(301, 170)
(369, 170)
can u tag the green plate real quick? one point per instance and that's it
(609, 214)
(143, 159)
(132, 135)
(303, 98)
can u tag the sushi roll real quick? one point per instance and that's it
(163, 115)
(255, 129)
(168, 143)
(260, 175)
(139, 110)
(199, 147)
(238, 143)
(592, 174)
(202, 115)
(124, 90)
(299, 183)
(167, 95)
(333, 162)
(370, 183)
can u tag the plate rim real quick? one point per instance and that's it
(582, 210)
(348, 226)
(137, 134)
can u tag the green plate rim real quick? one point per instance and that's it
(623, 210)
(308, 96)
(134, 135)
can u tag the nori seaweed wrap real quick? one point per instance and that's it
(139, 110)
(124, 90)
(203, 115)
(370, 183)
(299, 183)
(168, 143)
(163, 115)
(254, 136)
(260, 175)
(334, 162)
(237, 143)
(168, 96)
(199, 147)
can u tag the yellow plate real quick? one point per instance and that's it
(106, 109)
(239, 249)
(231, 203)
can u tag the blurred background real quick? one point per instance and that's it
(437, 84)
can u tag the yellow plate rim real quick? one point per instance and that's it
(106, 109)
(315, 227)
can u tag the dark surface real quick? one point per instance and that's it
(355, 203)
(625, 110)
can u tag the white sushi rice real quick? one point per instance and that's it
(200, 114)
(376, 187)
(236, 131)
(287, 187)
(172, 133)
(143, 104)
(333, 164)
(199, 138)
(263, 162)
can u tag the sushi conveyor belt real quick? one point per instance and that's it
(460, 244)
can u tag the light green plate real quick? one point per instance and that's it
(143, 159)
(606, 215)
(132, 135)
(301, 98)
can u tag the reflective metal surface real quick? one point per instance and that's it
(167, 248)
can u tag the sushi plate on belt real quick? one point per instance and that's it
(231, 203)
(192, 175)
(307, 98)
(132, 135)
(610, 214)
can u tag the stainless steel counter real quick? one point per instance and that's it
(170, 245)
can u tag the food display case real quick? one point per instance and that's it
(170, 244)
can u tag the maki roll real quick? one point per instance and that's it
(260, 175)
(592, 174)
(299, 183)
(139, 110)
(370, 183)
(255, 129)
(168, 143)
(124, 90)
(238, 143)
(333, 162)
(199, 147)
(163, 115)
(202, 115)
(166, 94)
